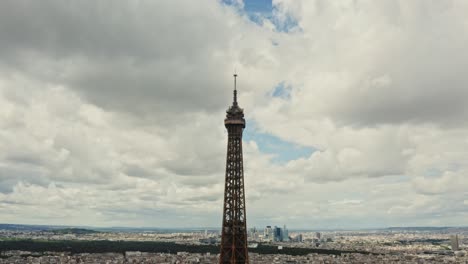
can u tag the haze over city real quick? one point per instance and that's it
(111, 112)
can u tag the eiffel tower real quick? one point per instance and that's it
(234, 231)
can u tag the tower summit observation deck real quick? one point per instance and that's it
(234, 230)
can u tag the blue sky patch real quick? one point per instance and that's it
(438, 172)
(258, 10)
(286, 25)
(282, 91)
(283, 151)
(258, 6)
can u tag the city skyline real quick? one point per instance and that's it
(111, 113)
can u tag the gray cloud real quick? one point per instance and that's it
(112, 113)
(366, 64)
(153, 61)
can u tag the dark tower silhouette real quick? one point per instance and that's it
(234, 231)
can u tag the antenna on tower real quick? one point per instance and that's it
(235, 88)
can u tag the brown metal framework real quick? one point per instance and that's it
(234, 231)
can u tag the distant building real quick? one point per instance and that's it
(297, 238)
(278, 234)
(454, 242)
(285, 235)
(253, 245)
(268, 234)
(318, 235)
(132, 254)
(253, 234)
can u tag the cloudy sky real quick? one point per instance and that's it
(111, 112)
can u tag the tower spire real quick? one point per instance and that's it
(235, 89)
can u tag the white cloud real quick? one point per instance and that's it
(115, 111)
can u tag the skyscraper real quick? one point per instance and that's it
(268, 234)
(278, 232)
(234, 230)
(285, 234)
(454, 242)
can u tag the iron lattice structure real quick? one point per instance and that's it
(234, 231)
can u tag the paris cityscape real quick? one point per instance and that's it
(272, 244)
(233, 131)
